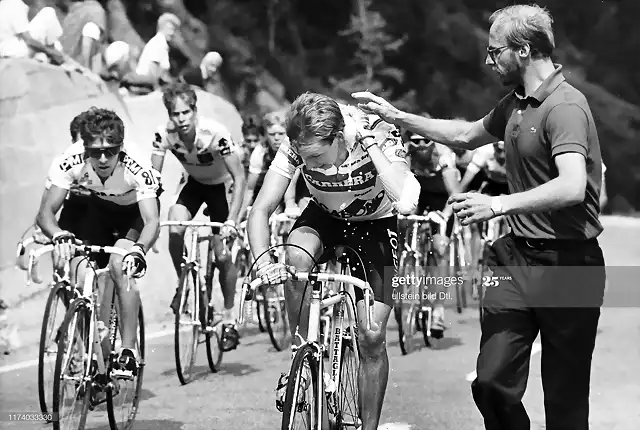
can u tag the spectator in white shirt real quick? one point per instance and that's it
(154, 60)
(84, 33)
(20, 38)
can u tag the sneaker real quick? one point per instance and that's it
(125, 364)
(437, 322)
(230, 337)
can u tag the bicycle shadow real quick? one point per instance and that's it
(148, 425)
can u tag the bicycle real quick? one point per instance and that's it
(83, 333)
(196, 313)
(327, 405)
(458, 262)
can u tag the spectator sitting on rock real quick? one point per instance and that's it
(207, 74)
(154, 60)
(20, 38)
(84, 31)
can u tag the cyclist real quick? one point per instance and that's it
(355, 169)
(123, 208)
(490, 160)
(206, 150)
(273, 127)
(434, 166)
(252, 132)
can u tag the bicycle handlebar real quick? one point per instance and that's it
(431, 216)
(283, 217)
(249, 287)
(212, 224)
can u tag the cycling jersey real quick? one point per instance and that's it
(485, 158)
(353, 190)
(257, 163)
(205, 163)
(132, 180)
(428, 161)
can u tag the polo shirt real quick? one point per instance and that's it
(554, 120)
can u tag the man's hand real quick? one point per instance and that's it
(292, 210)
(228, 230)
(274, 273)
(472, 207)
(377, 105)
(135, 260)
(64, 247)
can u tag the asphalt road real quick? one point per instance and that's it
(428, 389)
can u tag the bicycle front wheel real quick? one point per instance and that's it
(348, 394)
(275, 317)
(123, 397)
(72, 378)
(54, 313)
(405, 308)
(302, 404)
(187, 324)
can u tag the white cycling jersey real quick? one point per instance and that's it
(132, 180)
(205, 163)
(484, 158)
(353, 190)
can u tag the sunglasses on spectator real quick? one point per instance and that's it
(419, 142)
(97, 152)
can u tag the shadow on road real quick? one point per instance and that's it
(149, 425)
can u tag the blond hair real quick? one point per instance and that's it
(526, 25)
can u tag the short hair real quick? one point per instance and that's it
(274, 118)
(526, 25)
(252, 125)
(166, 18)
(104, 124)
(180, 90)
(313, 115)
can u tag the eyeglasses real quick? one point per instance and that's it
(494, 52)
(97, 152)
(421, 143)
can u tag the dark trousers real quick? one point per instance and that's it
(553, 288)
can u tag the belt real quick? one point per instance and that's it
(554, 244)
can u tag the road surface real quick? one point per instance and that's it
(428, 389)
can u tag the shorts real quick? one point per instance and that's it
(73, 212)
(433, 196)
(494, 188)
(375, 241)
(105, 223)
(194, 194)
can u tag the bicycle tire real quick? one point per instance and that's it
(305, 353)
(404, 313)
(349, 347)
(56, 294)
(184, 374)
(113, 423)
(259, 309)
(454, 264)
(78, 311)
(276, 318)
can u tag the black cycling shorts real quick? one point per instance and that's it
(73, 212)
(105, 223)
(494, 188)
(375, 241)
(194, 194)
(433, 196)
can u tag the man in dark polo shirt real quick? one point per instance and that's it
(550, 267)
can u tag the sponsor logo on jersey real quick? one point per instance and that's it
(360, 179)
(293, 158)
(224, 146)
(131, 164)
(358, 207)
(69, 162)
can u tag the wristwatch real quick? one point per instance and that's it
(496, 206)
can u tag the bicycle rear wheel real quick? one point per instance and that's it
(302, 404)
(456, 267)
(187, 324)
(54, 313)
(212, 333)
(123, 396)
(72, 378)
(275, 317)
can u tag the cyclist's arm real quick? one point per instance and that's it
(252, 181)
(158, 152)
(290, 194)
(151, 218)
(603, 190)
(234, 166)
(270, 196)
(52, 201)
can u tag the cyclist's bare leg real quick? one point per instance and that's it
(129, 300)
(308, 239)
(176, 234)
(228, 275)
(374, 363)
